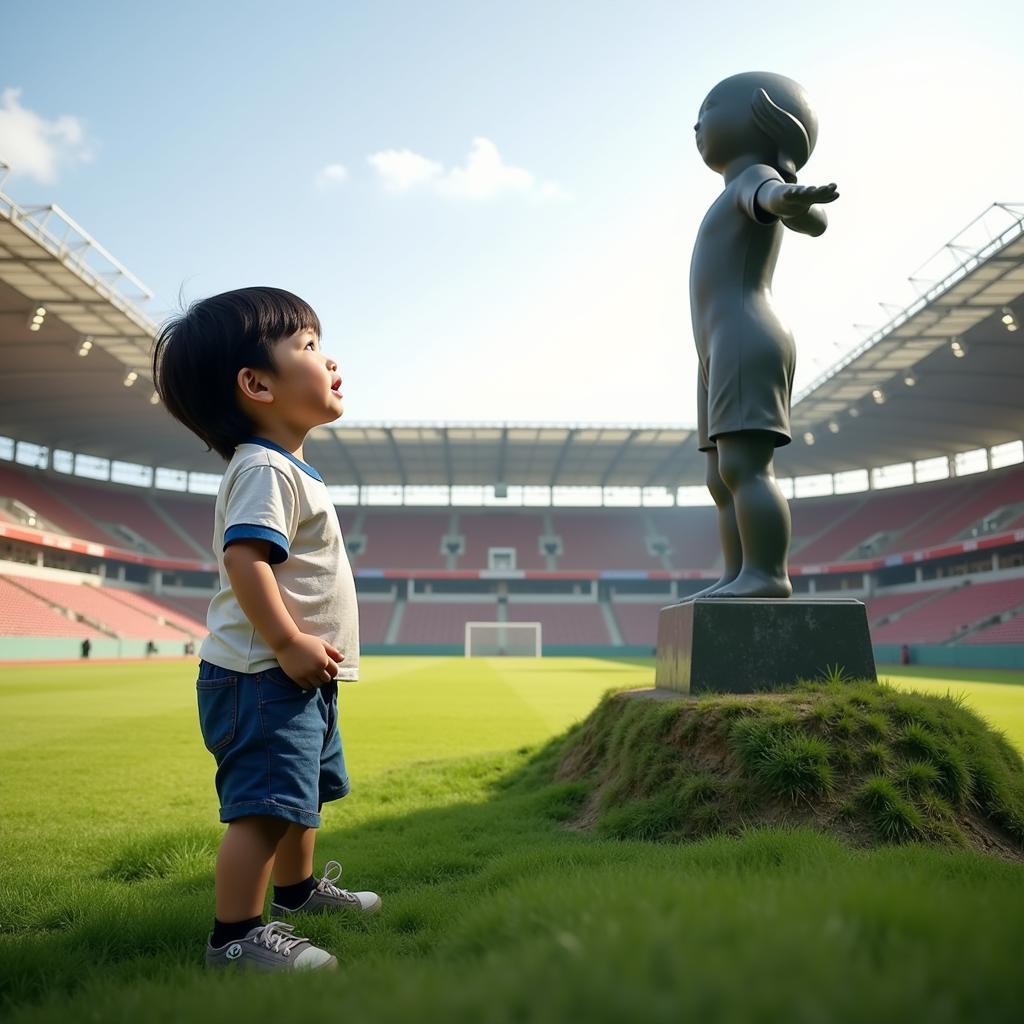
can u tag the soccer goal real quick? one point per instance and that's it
(497, 639)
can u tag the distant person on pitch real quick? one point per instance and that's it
(245, 372)
(756, 130)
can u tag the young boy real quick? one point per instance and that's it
(244, 371)
(756, 130)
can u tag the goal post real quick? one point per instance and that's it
(498, 639)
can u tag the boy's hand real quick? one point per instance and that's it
(309, 661)
(794, 200)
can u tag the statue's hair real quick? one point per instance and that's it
(786, 130)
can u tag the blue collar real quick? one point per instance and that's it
(304, 466)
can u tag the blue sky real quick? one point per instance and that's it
(492, 206)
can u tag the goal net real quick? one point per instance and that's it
(497, 639)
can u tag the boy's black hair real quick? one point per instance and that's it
(198, 354)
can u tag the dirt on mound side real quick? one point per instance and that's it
(871, 763)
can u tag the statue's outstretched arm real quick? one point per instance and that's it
(813, 222)
(790, 201)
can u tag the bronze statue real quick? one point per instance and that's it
(757, 130)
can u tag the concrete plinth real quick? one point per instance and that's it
(740, 646)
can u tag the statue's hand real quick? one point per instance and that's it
(793, 200)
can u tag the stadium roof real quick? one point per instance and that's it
(50, 395)
(944, 375)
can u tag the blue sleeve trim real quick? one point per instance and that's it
(253, 531)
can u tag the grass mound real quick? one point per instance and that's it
(875, 764)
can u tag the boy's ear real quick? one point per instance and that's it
(255, 384)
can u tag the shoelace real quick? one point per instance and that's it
(279, 937)
(326, 885)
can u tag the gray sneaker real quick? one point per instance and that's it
(327, 897)
(271, 947)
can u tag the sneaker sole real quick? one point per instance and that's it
(327, 965)
(278, 911)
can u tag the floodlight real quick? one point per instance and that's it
(833, 426)
(808, 438)
(879, 396)
(909, 379)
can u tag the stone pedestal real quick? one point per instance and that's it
(740, 646)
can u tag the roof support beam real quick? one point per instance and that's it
(502, 448)
(617, 458)
(399, 464)
(346, 457)
(446, 449)
(665, 463)
(561, 457)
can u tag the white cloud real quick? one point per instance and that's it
(402, 169)
(331, 176)
(484, 175)
(34, 146)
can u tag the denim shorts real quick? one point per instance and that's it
(277, 746)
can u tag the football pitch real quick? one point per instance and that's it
(494, 909)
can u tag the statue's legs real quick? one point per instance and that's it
(762, 515)
(727, 529)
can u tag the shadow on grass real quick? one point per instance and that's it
(149, 909)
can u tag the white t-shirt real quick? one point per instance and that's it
(269, 494)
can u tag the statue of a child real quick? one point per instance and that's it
(756, 130)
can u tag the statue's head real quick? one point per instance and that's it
(757, 114)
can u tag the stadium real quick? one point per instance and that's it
(905, 477)
(553, 837)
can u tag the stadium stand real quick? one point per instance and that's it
(374, 617)
(882, 513)
(403, 540)
(483, 531)
(939, 620)
(692, 534)
(824, 529)
(125, 515)
(442, 622)
(31, 488)
(194, 608)
(969, 509)
(195, 517)
(156, 609)
(610, 538)
(1009, 632)
(593, 541)
(811, 519)
(882, 606)
(581, 623)
(638, 621)
(23, 614)
(97, 605)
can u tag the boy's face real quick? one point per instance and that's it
(305, 389)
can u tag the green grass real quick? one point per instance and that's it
(494, 910)
(870, 762)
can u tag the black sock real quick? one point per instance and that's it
(225, 933)
(293, 896)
